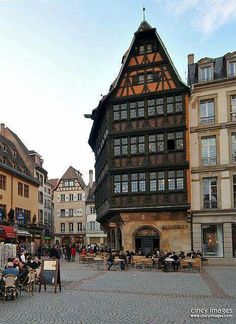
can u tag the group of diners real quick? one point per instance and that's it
(20, 267)
(166, 261)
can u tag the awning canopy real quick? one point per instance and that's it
(7, 232)
(23, 233)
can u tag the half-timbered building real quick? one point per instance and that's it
(139, 137)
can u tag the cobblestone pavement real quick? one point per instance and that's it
(91, 296)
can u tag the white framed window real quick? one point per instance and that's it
(233, 108)
(205, 73)
(207, 112)
(232, 69)
(210, 193)
(208, 150)
(233, 146)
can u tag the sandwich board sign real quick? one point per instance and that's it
(50, 274)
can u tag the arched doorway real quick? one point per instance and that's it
(147, 240)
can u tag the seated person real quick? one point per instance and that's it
(35, 264)
(176, 262)
(122, 256)
(22, 268)
(110, 261)
(10, 270)
(181, 255)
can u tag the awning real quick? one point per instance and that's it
(23, 233)
(7, 232)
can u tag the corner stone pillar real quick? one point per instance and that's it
(228, 248)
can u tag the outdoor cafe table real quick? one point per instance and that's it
(100, 263)
(89, 259)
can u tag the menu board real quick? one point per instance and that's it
(50, 274)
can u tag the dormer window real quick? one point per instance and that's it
(232, 69)
(4, 148)
(14, 153)
(205, 73)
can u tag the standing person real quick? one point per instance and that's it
(73, 252)
(68, 252)
(39, 251)
(54, 253)
(110, 261)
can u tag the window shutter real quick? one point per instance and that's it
(83, 196)
(67, 197)
(75, 197)
(58, 198)
(67, 212)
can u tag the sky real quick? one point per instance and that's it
(57, 57)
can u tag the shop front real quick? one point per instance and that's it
(215, 237)
(7, 234)
(148, 232)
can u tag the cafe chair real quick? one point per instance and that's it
(197, 264)
(10, 288)
(183, 264)
(31, 281)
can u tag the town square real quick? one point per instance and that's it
(117, 161)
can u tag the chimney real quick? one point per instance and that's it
(2, 127)
(90, 178)
(190, 59)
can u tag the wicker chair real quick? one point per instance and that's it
(31, 281)
(10, 288)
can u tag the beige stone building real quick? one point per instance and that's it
(213, 156)
(94, 233)
(69, 208)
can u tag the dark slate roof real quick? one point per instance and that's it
(90, 197)
(19, 174)
(219, 69)
(72, 174)
(10, 158)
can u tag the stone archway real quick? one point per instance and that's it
(147, 240)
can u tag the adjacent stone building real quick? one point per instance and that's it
(94, 233)
(140, 140)
(213, 156)
(69, 208)
(18, 187)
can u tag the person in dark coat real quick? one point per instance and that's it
(54, 253)
(68, 252)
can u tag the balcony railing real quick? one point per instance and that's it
(209, 161)
(210, 204)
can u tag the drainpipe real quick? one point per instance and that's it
(12, 191)
(191, 223)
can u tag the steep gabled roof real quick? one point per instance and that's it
(73, 174)
(143, 28)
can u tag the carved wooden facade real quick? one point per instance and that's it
(139, 133)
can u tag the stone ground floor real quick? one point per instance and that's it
(91, 296)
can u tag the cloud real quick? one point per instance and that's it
(205, 16)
